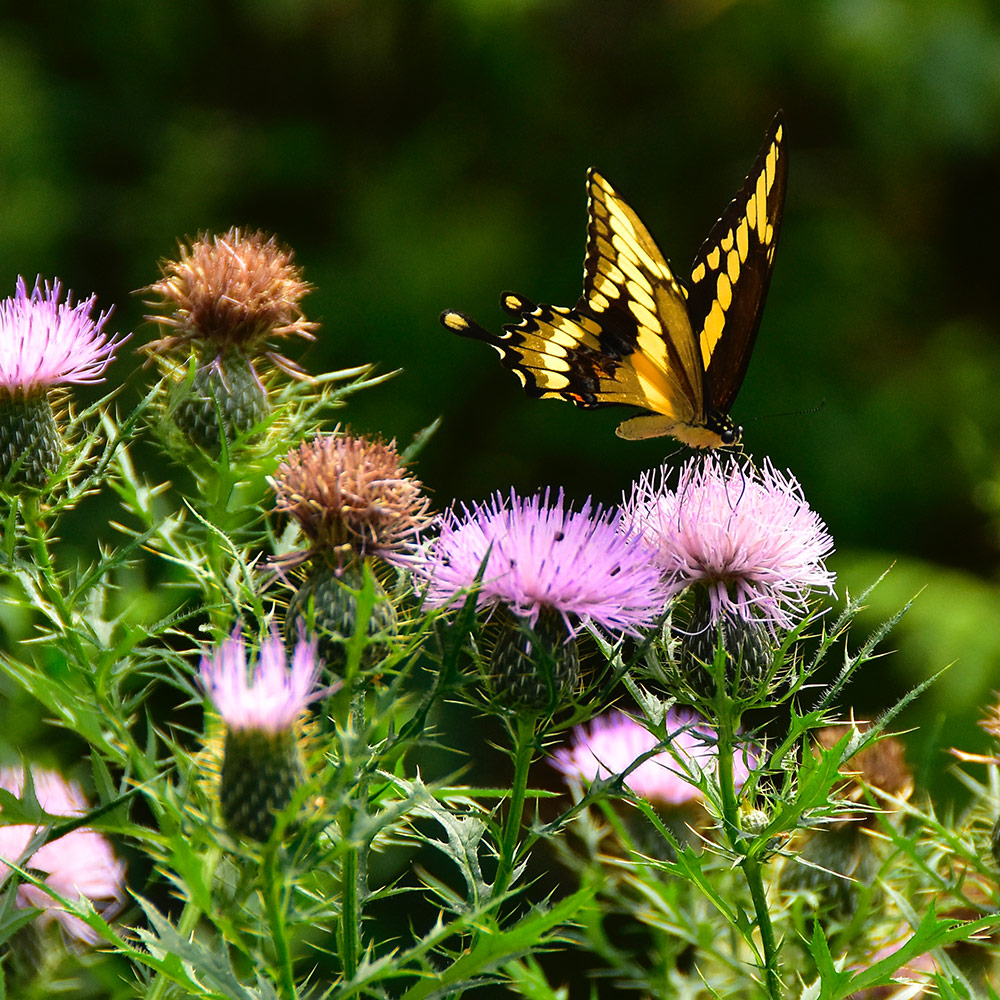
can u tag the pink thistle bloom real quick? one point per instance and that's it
(45, 342)
(613, 742)
(80, 863)
(746, 535)
(544, 555)
(269, 697)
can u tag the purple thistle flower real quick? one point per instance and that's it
(747, 536)
(613, 742)
(269, 697)
(80, 863)
(544, 556)
(46, 342)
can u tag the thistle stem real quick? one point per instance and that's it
(524, 751)
(48, 576)
(350, 932)
(728, 720)
(274, 904)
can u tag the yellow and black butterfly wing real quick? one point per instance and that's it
(627, 341)
(631, 291)
(732, 271)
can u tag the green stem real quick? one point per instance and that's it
(524, 752)
(49, 577)
(727, 719)
(350, 917)
(274, 905)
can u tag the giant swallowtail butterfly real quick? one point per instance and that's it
(638, 336)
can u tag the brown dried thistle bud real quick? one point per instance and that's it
(880, 766)
(349, 491)
(239, 290)
(221, 304)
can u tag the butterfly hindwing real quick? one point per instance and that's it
(732, 270)
(631, 291)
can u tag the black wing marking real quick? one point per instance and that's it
(732, 270)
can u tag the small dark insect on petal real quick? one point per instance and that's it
(559, 536)
(615, 571)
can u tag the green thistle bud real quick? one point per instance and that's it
(226, 387)
(326, 604)
(262, 708)
(30, 443)
(260, 772)
(749, 647)
(533, 671)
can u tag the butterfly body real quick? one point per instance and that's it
(639, 337)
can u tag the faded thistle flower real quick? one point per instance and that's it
(747, 545)
(261, 706)
(221, 305)
(545, 571)
(838, 857)
(79, 863)
(613, 742)
(45, 343)
(354, 501)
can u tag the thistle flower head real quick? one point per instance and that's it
(268, 697)
(238, 290)
(747, 536)
(79, 863)
(541, 554)
(613, 742)
(46, 342)
(349, 490)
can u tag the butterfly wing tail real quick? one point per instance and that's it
(465, 327)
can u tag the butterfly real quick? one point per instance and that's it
(638, 336)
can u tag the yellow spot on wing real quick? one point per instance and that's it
(743, 239)
(698, 273)
(733, 266)
(724, 291)
(713, 258)
(761, 194)
(636, 290)
(607, 286)
(714, 323)
(644, 316)
(455, 322)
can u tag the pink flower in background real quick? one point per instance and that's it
(745, 535)
(46, 342)
(267, 697)
(613, 742)
(80, 863)
(544, 554)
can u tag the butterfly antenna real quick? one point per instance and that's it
(791, 413)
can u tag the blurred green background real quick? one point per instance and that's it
(423, 155)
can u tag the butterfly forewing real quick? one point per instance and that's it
(732, 271)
